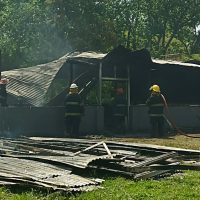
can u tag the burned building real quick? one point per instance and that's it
(45, 85)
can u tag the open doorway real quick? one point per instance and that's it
(115, 103)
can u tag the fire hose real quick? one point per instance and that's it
(171, 123)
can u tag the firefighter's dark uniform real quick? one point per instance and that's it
(156, 107)
(73, 112)
(3, 95)
(119, 112)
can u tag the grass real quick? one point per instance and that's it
(180, 187)
(179, 141)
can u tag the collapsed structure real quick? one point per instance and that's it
(61, 164)
(75, 165)
(46, 84)
(41, 89)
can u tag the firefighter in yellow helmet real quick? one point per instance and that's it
(73, 112)
(155, 103)
(155, 88)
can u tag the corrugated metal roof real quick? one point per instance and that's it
(42, 173)
(32, 83)
(89, 54)
(138, 161)
(172, 62)
(81, 161)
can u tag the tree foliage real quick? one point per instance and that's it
(36, 31)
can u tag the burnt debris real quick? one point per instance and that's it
(68, 164)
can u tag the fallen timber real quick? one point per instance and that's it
(66, 164)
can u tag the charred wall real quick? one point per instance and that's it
(180, 84)
(140, 65)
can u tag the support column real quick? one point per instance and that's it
(100, 83)
(128, 97)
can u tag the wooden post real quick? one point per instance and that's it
(93, 146)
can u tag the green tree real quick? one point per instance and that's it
(84, 23)
(29, 35)
(169, 19)
(36, 31)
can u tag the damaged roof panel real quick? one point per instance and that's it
(38, 167)
(172, 62)
(33, 83)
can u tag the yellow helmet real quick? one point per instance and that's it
(155, 88)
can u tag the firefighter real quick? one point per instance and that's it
(119, 110)
(3, 92)
(73, 112)
(156, 107)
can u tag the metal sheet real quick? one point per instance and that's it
(32, 83)
(42, 173)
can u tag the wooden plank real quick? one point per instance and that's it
(91, 147)
(108, 151)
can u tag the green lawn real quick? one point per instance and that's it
(184, 186)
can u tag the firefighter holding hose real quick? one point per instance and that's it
(156, 105)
